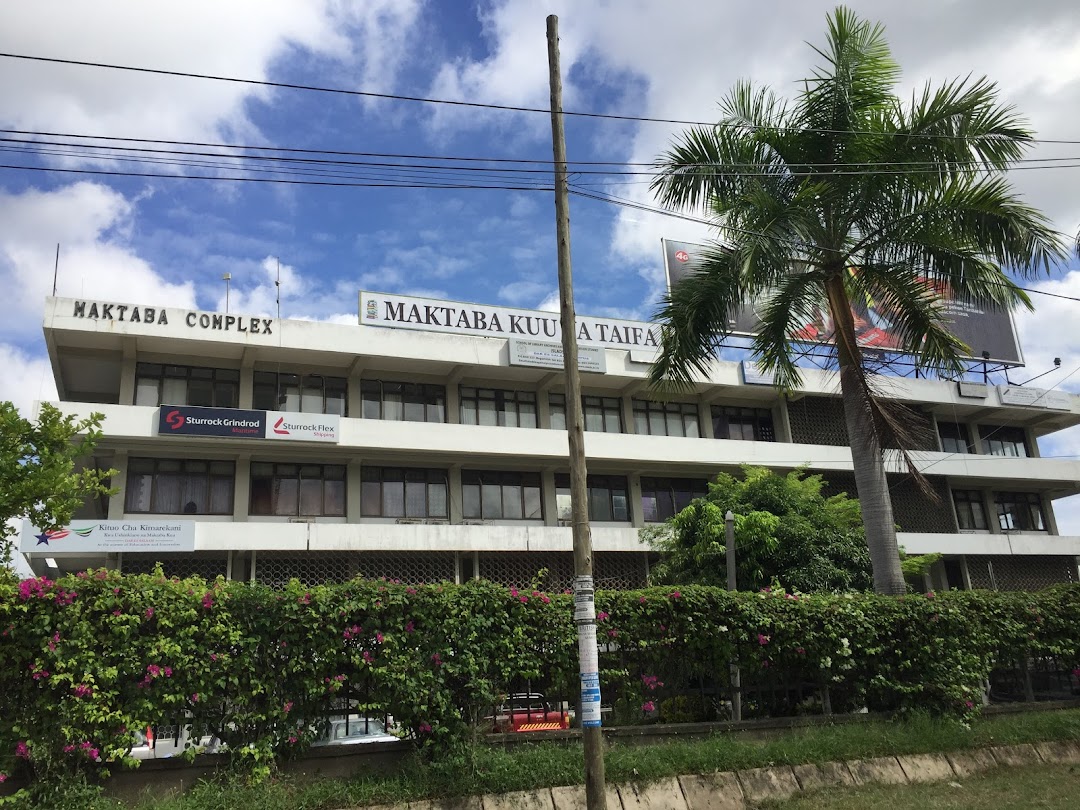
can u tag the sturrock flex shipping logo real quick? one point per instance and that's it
(297, 426)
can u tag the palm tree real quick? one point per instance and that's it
(849, 195)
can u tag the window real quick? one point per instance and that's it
(398, 492)
(297, 489)
(954, 437)
(1019, 511)
(748, 424)
(1004, 441)
(487, 406)
(970, 515)
(665, 418)
(408, 402)
(608, 499)
(159, 384)
(500, 495)
(299, 393)
(661, 498)
(601, 414)
(165, 486)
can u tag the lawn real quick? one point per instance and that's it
(1029, 788)
(526, 767)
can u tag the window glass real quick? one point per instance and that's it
(177, 487)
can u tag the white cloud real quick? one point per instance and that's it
(240, 38)
(524, 292)
(26, 379)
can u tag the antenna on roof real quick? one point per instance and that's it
(278, 285)
(56, 269)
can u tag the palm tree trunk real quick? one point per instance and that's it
(866, 453)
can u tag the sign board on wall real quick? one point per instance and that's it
(189, 420)
(539, 354)
(1034, 397)
(753, 375)
(236, 325)
(95, 536)
(981, 329)
(453, 317)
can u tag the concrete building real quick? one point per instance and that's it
(286, 448)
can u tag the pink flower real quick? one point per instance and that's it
(68, 749)
(149, 613)
(305, 599)
(82, 690)
(613, 633)
(800, 651)
(208, 600)
(409, 626)
(213, 656)
(642, 600)
(93, 753)
(602, 616)
(368, 658)
(648, 706)
(930, 594)
(523, 599)
(22, 750)
(378, 637)
(762, 639)
(118, 613)
(292, 740)
(436, 659)
(765, 663)
(115, 591)
(287, 707)
(968, 704)
(424, 728)
(3, 778)
(545, 599)
(168, 672)
(195, 697)
(411, 591)
(514, 592)
(675, 595)
(153, 669)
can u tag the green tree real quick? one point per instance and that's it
(845, 196)
(40, 475)
(786, 533)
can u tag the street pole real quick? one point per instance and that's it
(733, 585)
(584, 606)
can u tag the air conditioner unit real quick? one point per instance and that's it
(301, 520)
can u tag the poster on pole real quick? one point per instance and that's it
(984, 330)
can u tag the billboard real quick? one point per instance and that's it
(233, 423)
(984, 330)
(82, 536)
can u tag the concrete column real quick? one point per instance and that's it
(127, 374)
(976, 439)
(354, 402)
(353, 490)
(453, 493)
(116, 502)
(247, 379)
(637, 513)
(1048, 514)
(937, 433)
(966, 573)
(627, 403)
(704, 415)
(453, 403)
(547, 497)
(782, 421)
(1032, 443)
(991, 512)
(242, 489)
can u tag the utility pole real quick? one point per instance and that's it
(584, 606)
(733, 585)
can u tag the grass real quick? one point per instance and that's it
(1036, 786)
(527, 767)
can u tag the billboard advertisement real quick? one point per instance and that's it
(233, 423)
(983, 330)
(83, 536)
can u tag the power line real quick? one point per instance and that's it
(471, 104)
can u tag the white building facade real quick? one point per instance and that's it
(426, 442)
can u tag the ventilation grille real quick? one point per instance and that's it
(1020, 573)
(176, 565)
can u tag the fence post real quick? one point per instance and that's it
(732, 584)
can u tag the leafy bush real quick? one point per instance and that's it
(91, 657)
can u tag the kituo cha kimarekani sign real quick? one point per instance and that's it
(454, 317)
(127, 536)
(189, 420)
(983, 330)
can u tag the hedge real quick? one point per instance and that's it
(87, 658)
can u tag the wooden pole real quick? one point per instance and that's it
(584, 606)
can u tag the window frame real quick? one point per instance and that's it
(506, 402)
(376, 475)
(609, 410)
(277, 473)
(657, 485)
(647, 413)
(762, 424)
(218, 378)
(595, 484)
(504, 480)
(964, 439)
(1032, 500)
(1003, 436)
(963, 502)
(430, 396)
(329, 388)
(156, 473)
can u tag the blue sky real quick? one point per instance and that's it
(170, 240)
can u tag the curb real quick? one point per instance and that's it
(739, 790)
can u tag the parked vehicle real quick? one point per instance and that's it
(167, 743)
(358, 730)
(528, 711)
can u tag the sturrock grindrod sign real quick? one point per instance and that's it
(189, 420)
